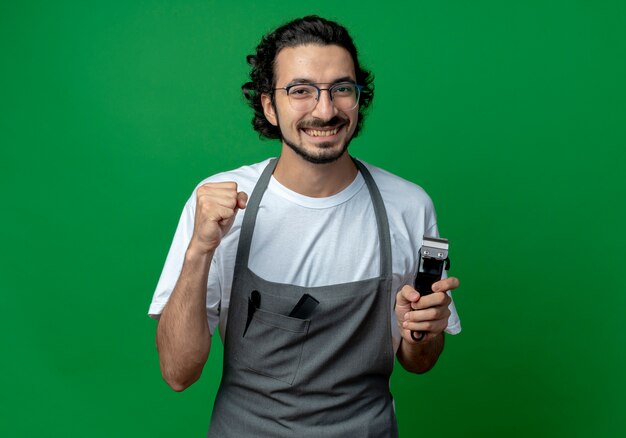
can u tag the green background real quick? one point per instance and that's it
(512, 115)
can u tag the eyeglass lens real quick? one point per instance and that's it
(303, 97)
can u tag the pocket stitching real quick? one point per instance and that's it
(300, 348)
(259, 317)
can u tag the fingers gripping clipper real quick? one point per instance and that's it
(432, 262)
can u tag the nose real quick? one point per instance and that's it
(324, 108)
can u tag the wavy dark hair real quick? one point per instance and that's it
(307, 30)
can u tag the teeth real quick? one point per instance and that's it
(318, 133)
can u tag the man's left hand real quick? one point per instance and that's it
(428, 314)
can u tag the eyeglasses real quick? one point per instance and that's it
(304, 97)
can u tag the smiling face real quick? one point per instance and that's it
(322, 134)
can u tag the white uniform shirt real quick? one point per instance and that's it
(311, 241)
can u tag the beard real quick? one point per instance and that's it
(324, 153)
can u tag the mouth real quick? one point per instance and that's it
(322, 133)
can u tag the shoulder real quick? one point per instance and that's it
(246, 177)
(398, 192)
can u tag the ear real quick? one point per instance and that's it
(268, 109)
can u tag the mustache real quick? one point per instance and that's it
(318, 123)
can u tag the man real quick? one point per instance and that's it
(317, 227)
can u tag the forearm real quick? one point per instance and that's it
(183, 337)
(419, 357)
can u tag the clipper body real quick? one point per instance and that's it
(433, 260)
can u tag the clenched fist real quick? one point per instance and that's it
(216, 207)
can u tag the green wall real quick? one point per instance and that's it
(512, 115)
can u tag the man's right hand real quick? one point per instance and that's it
(183, 336)
(216, 207)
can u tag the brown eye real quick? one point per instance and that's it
(346, 89)
(302, 91)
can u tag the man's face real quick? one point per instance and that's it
(322, 134)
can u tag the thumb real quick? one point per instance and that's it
(242, 200)
(406, 296)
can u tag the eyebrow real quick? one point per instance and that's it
(310, 81)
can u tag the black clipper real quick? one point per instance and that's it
(433, 260)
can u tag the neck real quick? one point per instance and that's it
(314, 180)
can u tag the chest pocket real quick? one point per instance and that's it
(272, 345)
